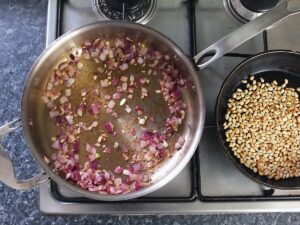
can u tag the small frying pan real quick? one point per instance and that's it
(272, 65)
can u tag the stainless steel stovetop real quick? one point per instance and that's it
(210, 183)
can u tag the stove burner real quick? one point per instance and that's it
(259, 5)
(140, 11)
(246, 10)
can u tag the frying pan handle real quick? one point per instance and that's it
(246, 32)
(7, 173)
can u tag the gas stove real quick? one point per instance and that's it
(209, 183)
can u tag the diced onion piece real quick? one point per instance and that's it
(95, 109)
(179, 143)
(181, 140)
(115, 81)
(95, 54)
(144, 92)
(63, 99)
(117, 95)
(116, 145)
(143, 50)
(79, 65)
(148, 135)
(109, 127)
(79, 111)
(139, 110)
(94, 124)
(102, 56)
(68, 92)
(69, 118)
(70, 82)
(53, 114)
(124, 78)
(119, 170)
(83, 92)
(165, 144)
(124, 86)
(140, 60)
(104, 83)
(107, 150)
(55, 144)
(111, 104)
(135, 168)
(123, 66)
(45, 99)
(131, 78)
(118, 182)
(107, 97)
(128, 109)
(49, 86)
(142, 121)
(108, 110)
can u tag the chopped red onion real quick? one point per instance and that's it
(127, 109)
(108, 110)
(68, 92)
(104, 83)
(53, 114)
(115, 81)
(119, 170)
(181, 141)
(55, 144)
(79, 111)
(69, 119)
(95, 109)
(117, 95)
(124, 86)
(143, 50)
(79, 65)
(45, 99)
(123, 66)
(90, 149)
(76, 146)
(139, 110)
(70, 82)
(49, 86)
(118, 181)
(109, 127)
(107, 150)
(83, 92)
(148, 135)
(111, 104)
(125, 149)
(119, 43)
(107, 97)
(63, 99)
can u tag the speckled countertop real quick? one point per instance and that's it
(22, 38)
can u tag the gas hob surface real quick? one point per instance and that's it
(209, 183)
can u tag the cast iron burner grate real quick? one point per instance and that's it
(140, 11)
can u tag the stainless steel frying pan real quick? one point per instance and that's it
(33, 114)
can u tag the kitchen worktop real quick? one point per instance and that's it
(22, 38)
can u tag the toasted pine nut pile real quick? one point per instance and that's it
(262, 126)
